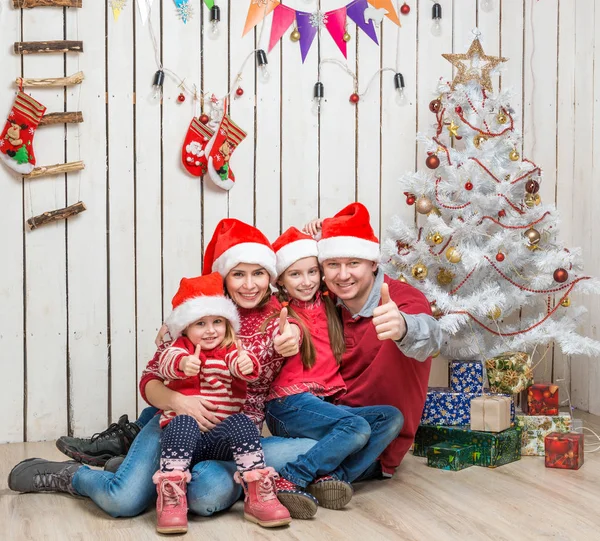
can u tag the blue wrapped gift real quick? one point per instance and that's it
(466, 376)
(446, 408)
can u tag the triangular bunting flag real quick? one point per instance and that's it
(117, 6)
(307, 32)
(336, 24)
(209, 3)
(389, 6)
(144, 7)
(356, 11)
(283, 17)
(257, 11)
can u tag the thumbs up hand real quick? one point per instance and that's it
(190, 364)
(388, 321)
(287, 342)
(243, 361)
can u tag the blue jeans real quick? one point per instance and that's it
(349, 440)
(130, 491)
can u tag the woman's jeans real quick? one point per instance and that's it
(130, 491)
(349, 440)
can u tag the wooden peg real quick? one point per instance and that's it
(43, 3)
(41, 47)
(61, 118)
(59, 168)
(74, 79)
(55, 215)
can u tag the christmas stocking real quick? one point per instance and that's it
(193, 153)
(219, 151)
(16, 141)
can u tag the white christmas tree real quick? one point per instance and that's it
(487, 246)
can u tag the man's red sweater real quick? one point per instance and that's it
(378, 373)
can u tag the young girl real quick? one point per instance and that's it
(302, 395)
(205, 360)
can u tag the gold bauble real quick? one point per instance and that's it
(435, 310)
(537, 199)
(566, 302)
(402, 279)
(419, 271)
(529, 200)
(495, 313)
(478, 139)
(346, 37)
(514, 155)
(295, 35)
(453, 255)
(424, 205)
(532, 235)
(436, 238)
(436, 354)
(445, 277)
(501, 118)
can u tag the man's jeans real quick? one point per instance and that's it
(349, 440)
(130, 491)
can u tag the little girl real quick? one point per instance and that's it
(204, 360)
(302, 395)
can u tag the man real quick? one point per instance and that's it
(389, 331)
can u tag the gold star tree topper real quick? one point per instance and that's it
(478, 67)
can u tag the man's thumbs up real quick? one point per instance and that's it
(388, 321)
(190, 364)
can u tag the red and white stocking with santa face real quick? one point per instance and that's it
(16, 140)
(193, 153)
(219, 151)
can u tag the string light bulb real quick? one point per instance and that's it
(261, 59)
(399, 86)
(436, 16)
(215, 17)
(318, 93)
(157, 85)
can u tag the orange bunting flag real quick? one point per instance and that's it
(388, 5)
(257, 11)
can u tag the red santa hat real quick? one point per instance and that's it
(235, 242)
(292, 246)
(199, 297)
(349, 234)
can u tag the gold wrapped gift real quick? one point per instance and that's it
(509, 372)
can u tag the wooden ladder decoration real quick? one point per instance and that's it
(47, 47)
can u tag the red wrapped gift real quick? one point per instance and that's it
(542, 399)
(564, 450)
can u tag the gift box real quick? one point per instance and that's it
(491, 449)
(542, 399)
(491, 413)
(466, 376)
(564, 450)
(537, 427)
(443, 407)
(509, 372)
(450, 456)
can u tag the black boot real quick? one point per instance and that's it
(39, 475)
(95, 451)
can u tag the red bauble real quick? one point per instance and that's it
(500, 257)
(561, 275)
(354, 98)
(239, 91)
(501, 213)
(410, 200)
(532, 186)
(204, 118)
(405, 9)
(435, 106)
(458, 109)
(181, 98)
(432, 162)
(458, 137)
(469, 186)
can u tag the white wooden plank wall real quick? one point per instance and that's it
(82, 300)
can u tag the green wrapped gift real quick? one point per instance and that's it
(491, 449)
(537, 427)
(510, 372)
(450, 456)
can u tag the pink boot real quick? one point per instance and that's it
(261, 505)
(171, 504)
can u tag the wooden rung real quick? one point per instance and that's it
(74, 79)
(40, 47)
(42, 3)
(59, 168)
(61, 118)
(55, 215)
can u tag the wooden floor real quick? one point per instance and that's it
(519, 501)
